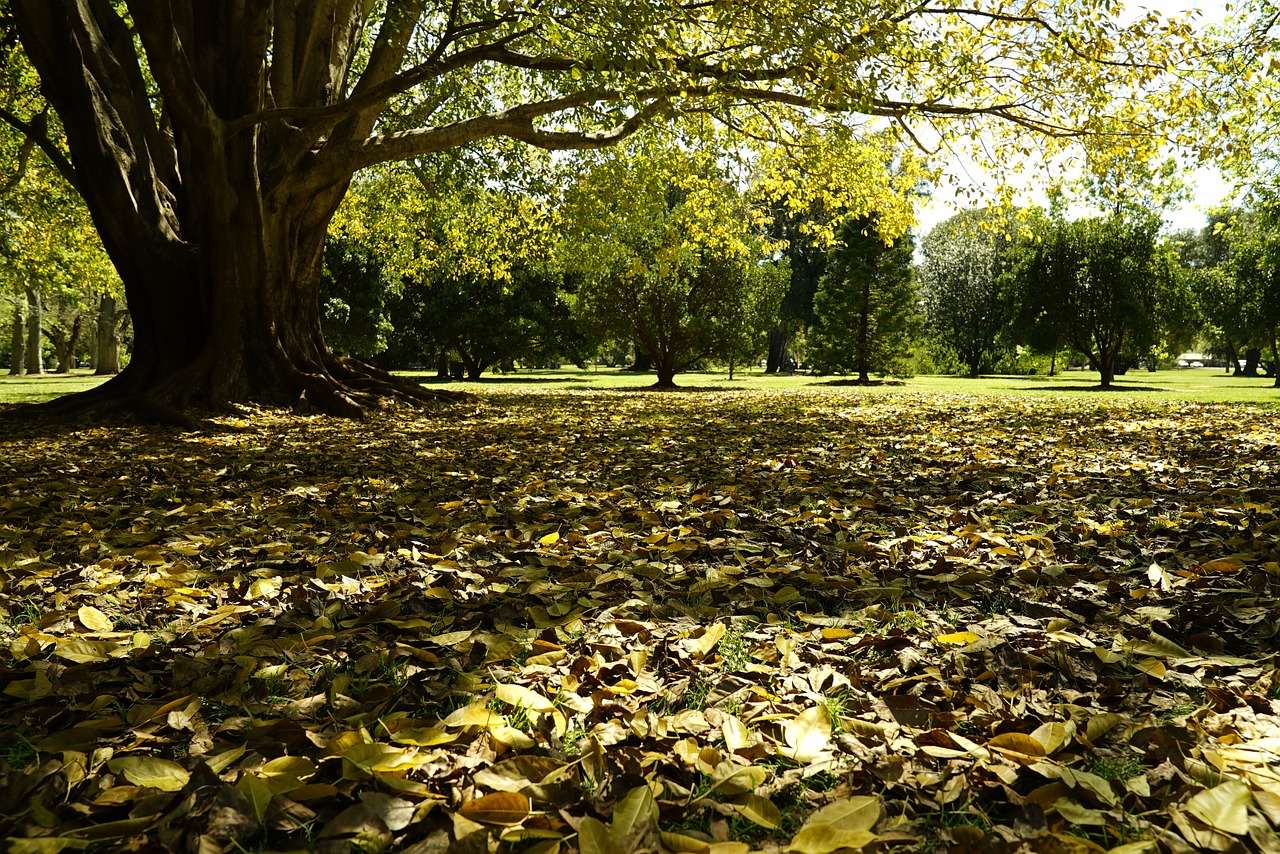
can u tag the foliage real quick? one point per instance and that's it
(963, 279)
(482, 320)
(866, 308)
(297, 633)
(668, 253)
(354, 294)
(479, 280)
(1098, 285)
(1255, 267)
(221, 138)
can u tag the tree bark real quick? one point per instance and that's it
(35, 350)
(1106, 369)
(17, 343)
(215, 229)
(106, 345)
(779, 337)
(864, 334)
(64, 345)
(1252, 356)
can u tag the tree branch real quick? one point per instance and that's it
(35, 133)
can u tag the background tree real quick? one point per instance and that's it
(667, 250)
(866, 308)
(749, 320)
(810, 187)
(1094, 282)
(1255, 267)
(962, 279)
(213, 142)
(356, 293)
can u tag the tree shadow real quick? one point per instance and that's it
(1118, 387)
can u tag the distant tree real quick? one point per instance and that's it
(484, 320)
(747, 320)
(963, 283)
(355, 292)
(1255, 265)
(666, 250)
(866, 308)
(811, 189)
(1095, 283)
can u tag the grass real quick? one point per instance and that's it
(1209, 385)
(1203, 384)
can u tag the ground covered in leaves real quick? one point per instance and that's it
(620, 622)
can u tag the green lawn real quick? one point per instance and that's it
(1204, 384)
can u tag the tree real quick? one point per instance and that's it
(664, 244)
(963, 281)
(747, 320)
(1255, 267)
(213, 142)
(1095, 283)
(483, 320)
(356, 291)
(866, 307)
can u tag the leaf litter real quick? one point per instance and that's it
(740, 621)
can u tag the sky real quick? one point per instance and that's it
(1207, 186)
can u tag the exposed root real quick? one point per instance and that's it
(343, 387)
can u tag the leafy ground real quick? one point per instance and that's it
(813, 620)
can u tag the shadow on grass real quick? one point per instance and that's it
(516, 380)
(1118, 387)
(856, 383)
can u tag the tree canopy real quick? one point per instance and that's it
(214, 141)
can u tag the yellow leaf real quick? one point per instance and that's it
(1224, 807)
(735, 732)
(1223, 564)
(476, 714)
(523, 698)
(637, 808)
(683, 843)
(1051, 736)
(264, 588)
(498, 808)
(808, 735)
(151, 771)
(550, 539)
(1152, 667)
(83, 651)
(94, 620)
(258, 793)
(1021, 748)
(757, 809)
(958, 638)
(857, 813)
(703, 645)
(825, 838)
(594, 838)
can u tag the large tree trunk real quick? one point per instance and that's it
(215, 228)
(779, 337)
(1252, 356)
(17, 343)
(1106, 363)
(35, 349)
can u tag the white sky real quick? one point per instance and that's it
(1206, 184)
